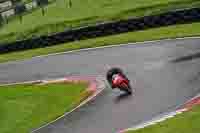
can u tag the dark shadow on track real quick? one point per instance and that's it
(121, 97)
(186, 58)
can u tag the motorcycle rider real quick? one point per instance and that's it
(116, 78)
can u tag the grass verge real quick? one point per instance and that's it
(27, 106)
(151, 34)
(59, 16)
(187, 122)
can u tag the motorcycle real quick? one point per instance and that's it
(117, 79)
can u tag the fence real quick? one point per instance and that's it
(10, 8)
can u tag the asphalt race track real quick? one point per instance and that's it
(167, 73)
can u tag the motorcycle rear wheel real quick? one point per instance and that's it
(127, 89)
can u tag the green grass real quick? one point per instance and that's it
(59, 17)
(151, 34)
(184, 123)
(25, 107)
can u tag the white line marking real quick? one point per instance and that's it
(101, 86)
(108, 46)
(160, 118)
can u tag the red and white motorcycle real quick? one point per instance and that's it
(117, 79)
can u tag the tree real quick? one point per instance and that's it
(42, 2)
(70, 3)
(19, 6)
(1, 20)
